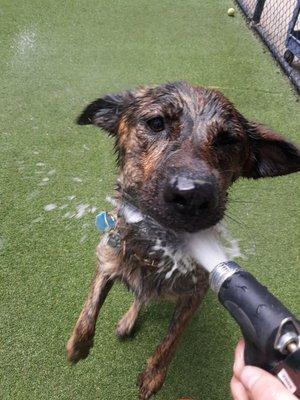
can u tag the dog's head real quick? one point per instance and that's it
(180, 147)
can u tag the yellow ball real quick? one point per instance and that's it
(231, 12)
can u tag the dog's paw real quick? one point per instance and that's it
(150, 381)
(78, 349)
(124, 328)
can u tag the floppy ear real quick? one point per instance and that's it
(270, 154)
(106, 111)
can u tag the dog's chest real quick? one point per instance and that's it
(157, 266)
(172, 276)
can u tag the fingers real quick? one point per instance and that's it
(238, 390)
(239, 363)
(263, 386)
(251, 383)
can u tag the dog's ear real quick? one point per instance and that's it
(106, 111)
(270, 154)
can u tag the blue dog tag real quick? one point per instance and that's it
(105, 222)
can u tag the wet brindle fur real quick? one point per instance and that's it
(170, 140)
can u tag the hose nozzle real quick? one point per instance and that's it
(221, 273)
(270, 330)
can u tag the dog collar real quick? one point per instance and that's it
(105, 222)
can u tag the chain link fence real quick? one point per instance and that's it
(278, 24)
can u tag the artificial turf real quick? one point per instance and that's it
(55, 57)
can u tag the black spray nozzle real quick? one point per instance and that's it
(270, 330)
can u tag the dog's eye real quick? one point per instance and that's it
(157, 124)
(225, 139)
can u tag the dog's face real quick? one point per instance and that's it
(180, 148)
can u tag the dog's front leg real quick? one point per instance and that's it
(152, 379)
(81, 340)
(126, 324)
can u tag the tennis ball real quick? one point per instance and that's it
(231, 12)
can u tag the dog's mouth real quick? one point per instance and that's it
(192, 221)
(173, 217)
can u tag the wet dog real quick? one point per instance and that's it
(179, 149)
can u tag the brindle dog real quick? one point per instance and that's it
(179, 148)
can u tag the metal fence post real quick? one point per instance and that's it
(258, 11)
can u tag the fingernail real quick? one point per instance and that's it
(249, 376)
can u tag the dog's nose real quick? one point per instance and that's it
(190, 195)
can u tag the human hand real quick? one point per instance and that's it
(252, 383)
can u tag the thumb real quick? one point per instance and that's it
(263, 386)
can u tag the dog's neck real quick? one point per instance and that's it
(152, 239)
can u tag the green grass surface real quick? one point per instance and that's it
(56, 56)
